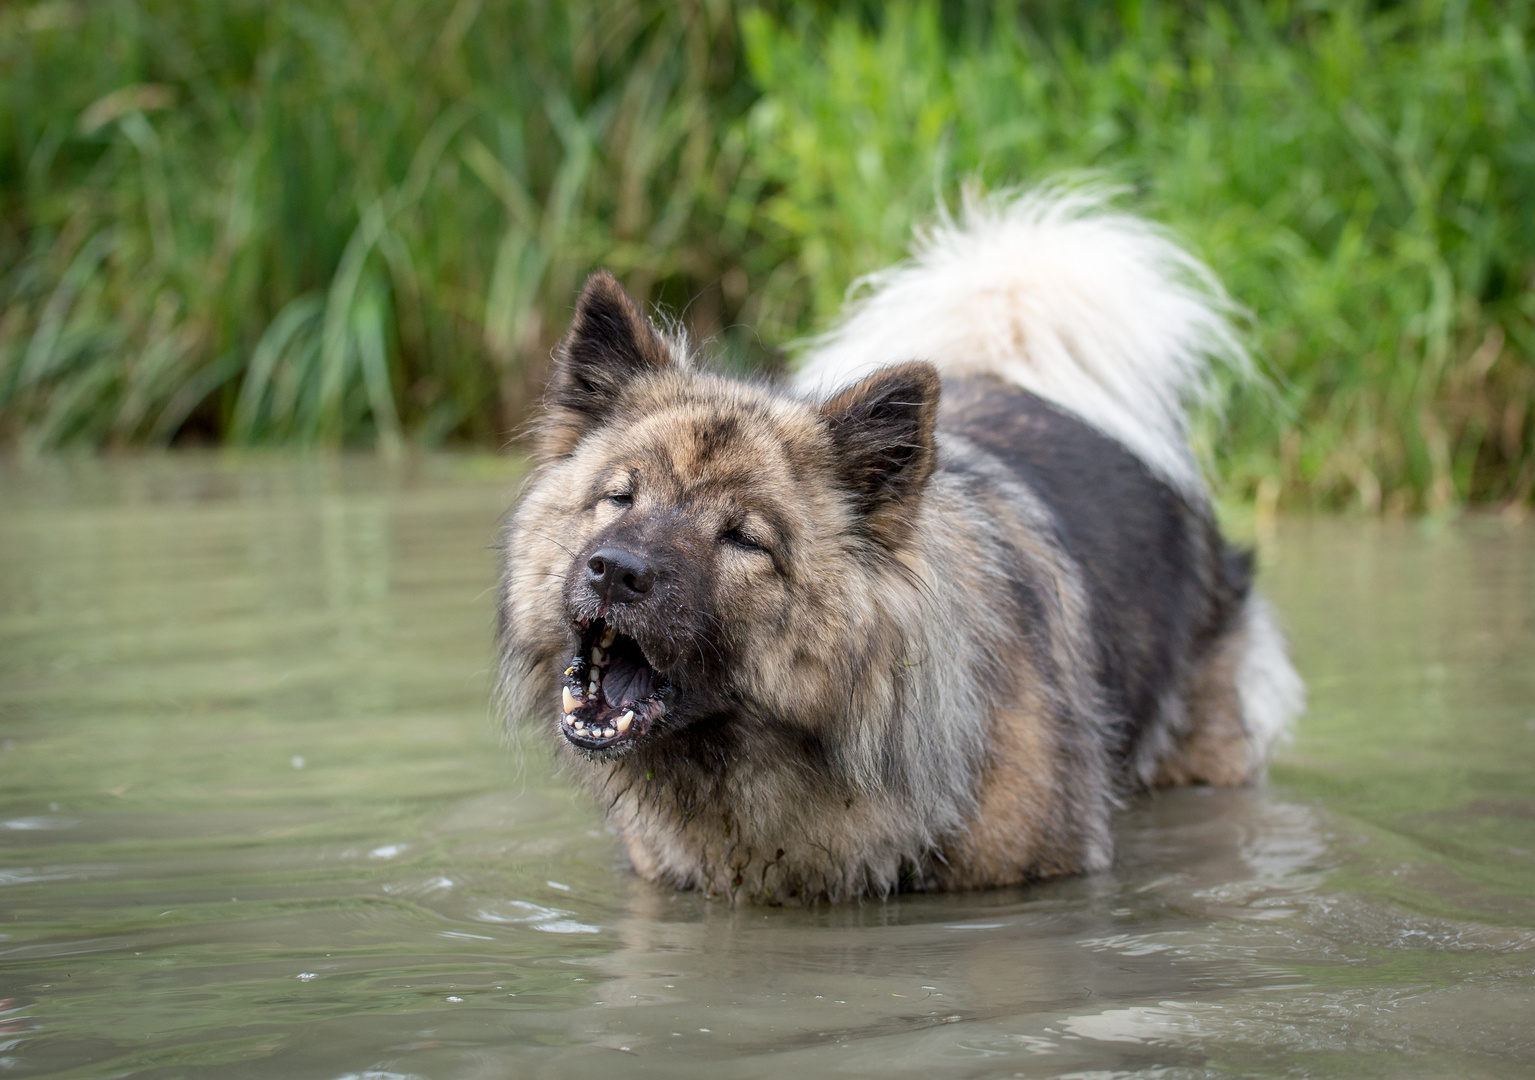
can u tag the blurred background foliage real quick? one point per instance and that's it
(363, 222)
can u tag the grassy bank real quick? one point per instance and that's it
(364, 221)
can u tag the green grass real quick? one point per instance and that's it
(364, 221)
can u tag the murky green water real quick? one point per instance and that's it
(258, 822)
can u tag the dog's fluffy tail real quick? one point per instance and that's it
(1096, 310)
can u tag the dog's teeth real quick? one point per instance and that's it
(597, 655)
(607, 733)
(609, 636)
(625, 720)
(571, 670)
(569, 720)
(568, 699)
(578, 725)
(593, 686)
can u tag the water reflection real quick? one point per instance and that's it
(257, 821)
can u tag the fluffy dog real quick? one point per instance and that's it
(919, 622)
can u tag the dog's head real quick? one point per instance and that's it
(696, 549)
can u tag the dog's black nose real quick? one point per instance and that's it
(620, 576)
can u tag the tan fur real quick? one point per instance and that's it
(1216, 749)
(1015, 796)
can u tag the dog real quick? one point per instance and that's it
(921, 620)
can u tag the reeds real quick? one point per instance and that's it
(331, 223)
(364, 221)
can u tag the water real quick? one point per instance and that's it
(258, 822)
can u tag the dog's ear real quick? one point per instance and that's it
(608, 345)
(882, 439)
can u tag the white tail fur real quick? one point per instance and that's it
(1095, 310)
(1271, 691)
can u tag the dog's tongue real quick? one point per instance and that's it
(627, 679)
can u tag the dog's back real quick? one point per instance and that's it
(1162, 586)
(1072, 341)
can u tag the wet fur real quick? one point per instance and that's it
(974, 622)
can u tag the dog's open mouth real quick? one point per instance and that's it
(611, 694)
